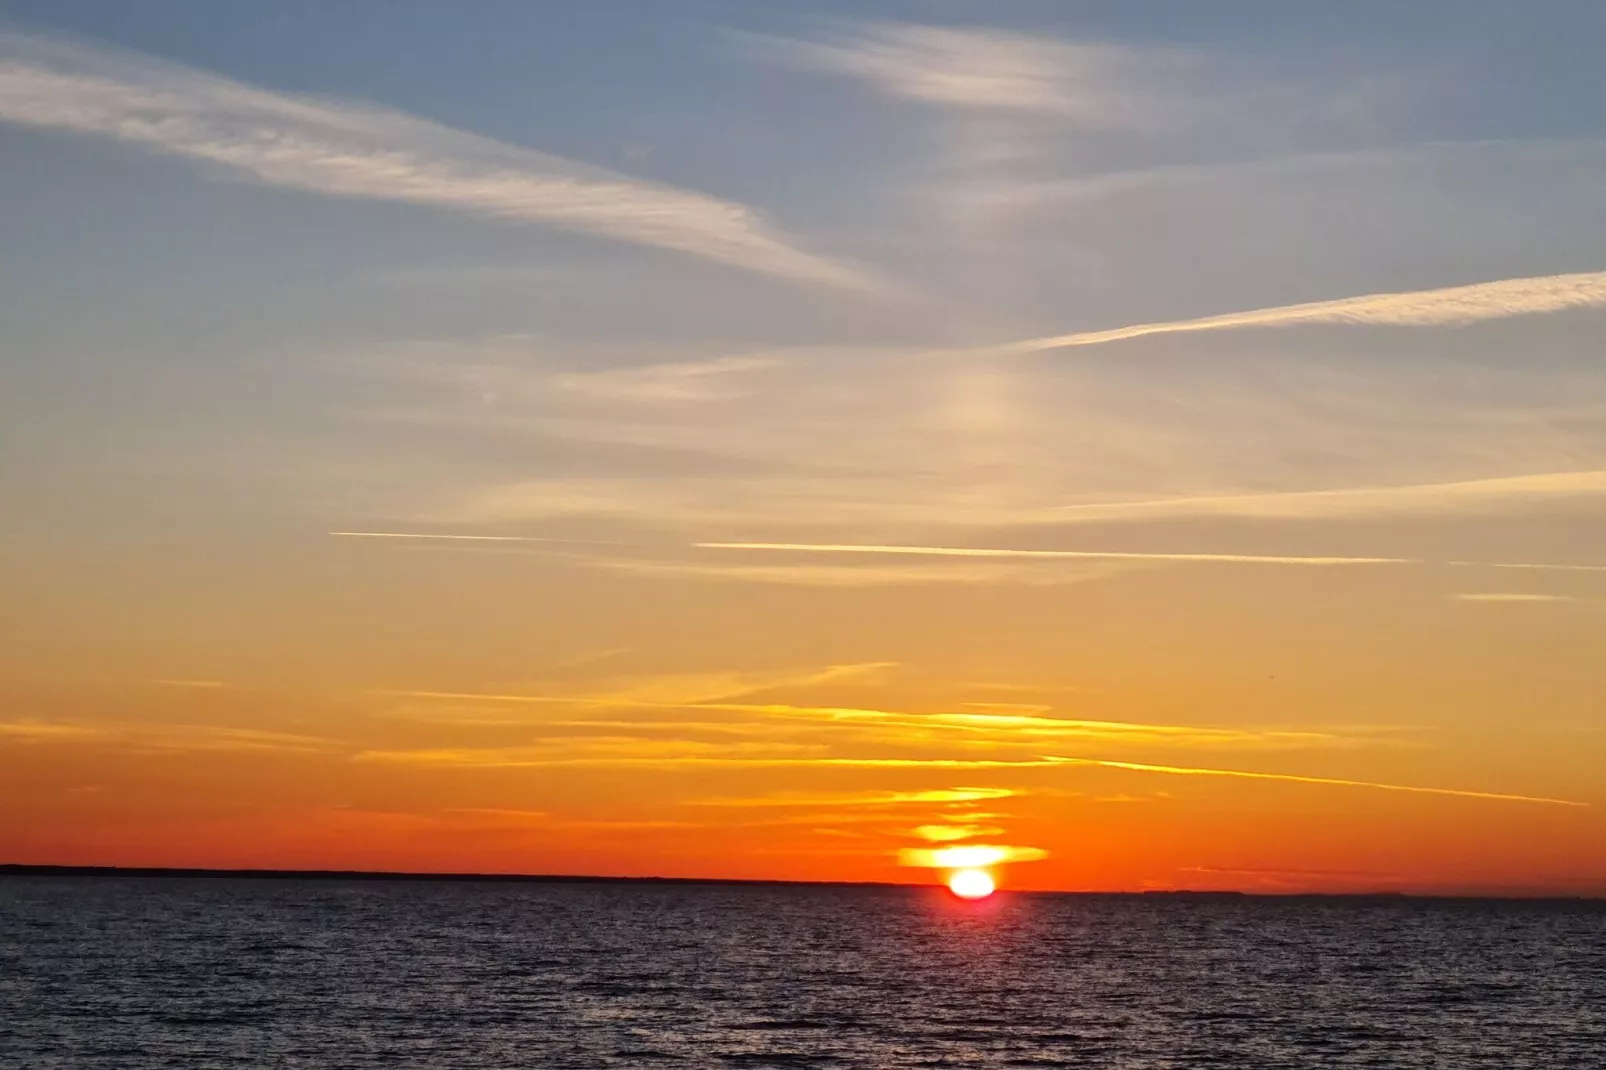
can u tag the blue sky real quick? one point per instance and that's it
(856, 185)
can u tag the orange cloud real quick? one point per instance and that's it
(970, 856)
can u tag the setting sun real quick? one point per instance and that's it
(971, 884)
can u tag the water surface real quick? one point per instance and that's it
(134, 974)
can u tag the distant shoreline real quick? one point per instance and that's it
(21, 870)
(178, 872)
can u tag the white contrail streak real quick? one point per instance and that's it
(1184, 770)
(1460, 497)
(974, 551)
(998, 552)
(466, 538)
(1450, 306)
(1526, 565)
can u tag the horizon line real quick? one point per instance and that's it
(28, 869)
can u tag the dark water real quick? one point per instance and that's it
(134, 974)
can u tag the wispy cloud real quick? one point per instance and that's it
(35, 731)
(1090, 84)
(1113, 555)
(351, 150)
(720, 379)
(969, 855)
(1478, 495)
(924, 797)
(713, 756)
(1024, 727)
(1180, 770)
(900, 574)
(1463, 496)
(166, 737)
(1451, 306)
(545, 820)
(898, 446)
(1530, 566)
(966, 730)
(673, 691)
(708, 689)
(953, 832)
(465, 538)
(1259, 175)
(1116, 555)
(1504, 596)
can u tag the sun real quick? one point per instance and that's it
(971, 884)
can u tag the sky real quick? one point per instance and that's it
(1144, 445)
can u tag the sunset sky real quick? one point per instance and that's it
(1165, 442)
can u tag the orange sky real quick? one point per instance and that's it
(824, 731)
(1174, 461)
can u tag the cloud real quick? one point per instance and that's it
(706, 689)
(710, 756)
(1091, 85)
(30, 731)
(1530, 566)
(968, 856)
(976, 551)
(856, 575)
(701, 692)
(1465, 496)
(216, 737)
(1001, 730)
(860, 445)
(865, 798)
(544, 820)
(1023, 727)
(165, 737)
(1178, 770)
(1451, 306)
(673, 691)
(1266, 176)
(951, 832)
(1491, 495)
(1500, 596)
(1201, 558)
(465, 538)
(369, 152)
(720, 379)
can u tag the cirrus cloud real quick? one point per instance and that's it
(342, 149)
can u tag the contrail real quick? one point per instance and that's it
(973, 551)
(1184, 770)
(998, 552)
(467, 538)
(531, 757)
(1526, 565)
(1450, 306)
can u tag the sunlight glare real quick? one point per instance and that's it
(971, 884)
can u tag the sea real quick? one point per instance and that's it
(113, 973)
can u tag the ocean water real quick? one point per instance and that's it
(128, 974)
